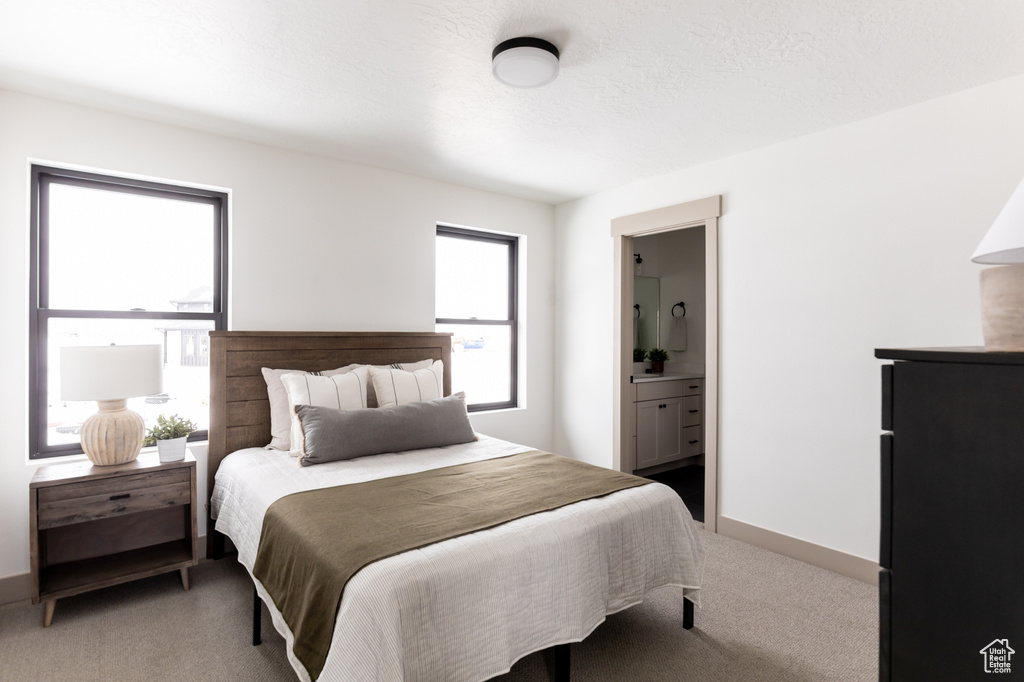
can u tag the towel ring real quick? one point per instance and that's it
(636, 307)
(679, 305)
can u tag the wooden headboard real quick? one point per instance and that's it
(239, 408)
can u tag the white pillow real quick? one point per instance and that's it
(371, 394)
(346, 391)
(398, 386)
(280, 412)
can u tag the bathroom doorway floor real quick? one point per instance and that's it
(688, 482)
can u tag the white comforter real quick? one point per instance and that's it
(469, 607)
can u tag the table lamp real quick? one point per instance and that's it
(110, 375)
(1002, 288)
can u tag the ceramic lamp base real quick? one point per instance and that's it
(1002, 308)
(113, 435)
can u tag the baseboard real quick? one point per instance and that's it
(19, 587)
(824, 557)
(15, 588)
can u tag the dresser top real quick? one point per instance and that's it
(969, 354)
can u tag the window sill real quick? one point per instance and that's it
(68, 459)
(498, 410)
(46, 461)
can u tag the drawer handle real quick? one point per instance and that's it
(694, 411)
(695, 386)
(694, 441)
(660, 407)
(120, 497)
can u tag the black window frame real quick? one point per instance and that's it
(42, 177)
(512, 322)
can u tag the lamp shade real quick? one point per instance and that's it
(110, 372)
(1004, 241)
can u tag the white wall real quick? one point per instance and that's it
(316, 244)
(832, 245)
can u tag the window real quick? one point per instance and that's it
(122, 261)
(476, 300)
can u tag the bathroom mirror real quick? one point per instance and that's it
(646, 306)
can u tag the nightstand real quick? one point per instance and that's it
(93, 526)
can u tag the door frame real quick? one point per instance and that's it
(704, 212)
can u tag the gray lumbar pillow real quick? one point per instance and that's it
(332, 434)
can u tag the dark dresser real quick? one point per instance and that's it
(951, 586)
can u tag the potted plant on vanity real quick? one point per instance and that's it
(657, 356)
(169, 435)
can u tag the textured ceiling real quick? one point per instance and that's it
(646, 86)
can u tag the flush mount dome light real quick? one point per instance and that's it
(525, 62)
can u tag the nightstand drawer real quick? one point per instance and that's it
(103, 498)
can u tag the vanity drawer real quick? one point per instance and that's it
(693, 409)
(692, 387)
(102, 498)
(658, 390)
(693, 441)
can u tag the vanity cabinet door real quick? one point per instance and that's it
(670, 430)
(646, 433)
(659, 431)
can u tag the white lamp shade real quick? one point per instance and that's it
(110, 372)
(1004, 241)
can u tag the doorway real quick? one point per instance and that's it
(630, 398)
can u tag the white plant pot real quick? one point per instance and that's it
(172, 449)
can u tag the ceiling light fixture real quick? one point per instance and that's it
(525, 62)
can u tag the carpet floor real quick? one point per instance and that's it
(763, 617)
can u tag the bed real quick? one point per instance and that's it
(465, 608)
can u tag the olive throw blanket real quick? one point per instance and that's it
(313, 542)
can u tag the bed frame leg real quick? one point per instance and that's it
(687, 614)
(562, 661)
(257, 616)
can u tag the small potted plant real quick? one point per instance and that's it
(657, 356)
(169, 436)
(639, 354)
